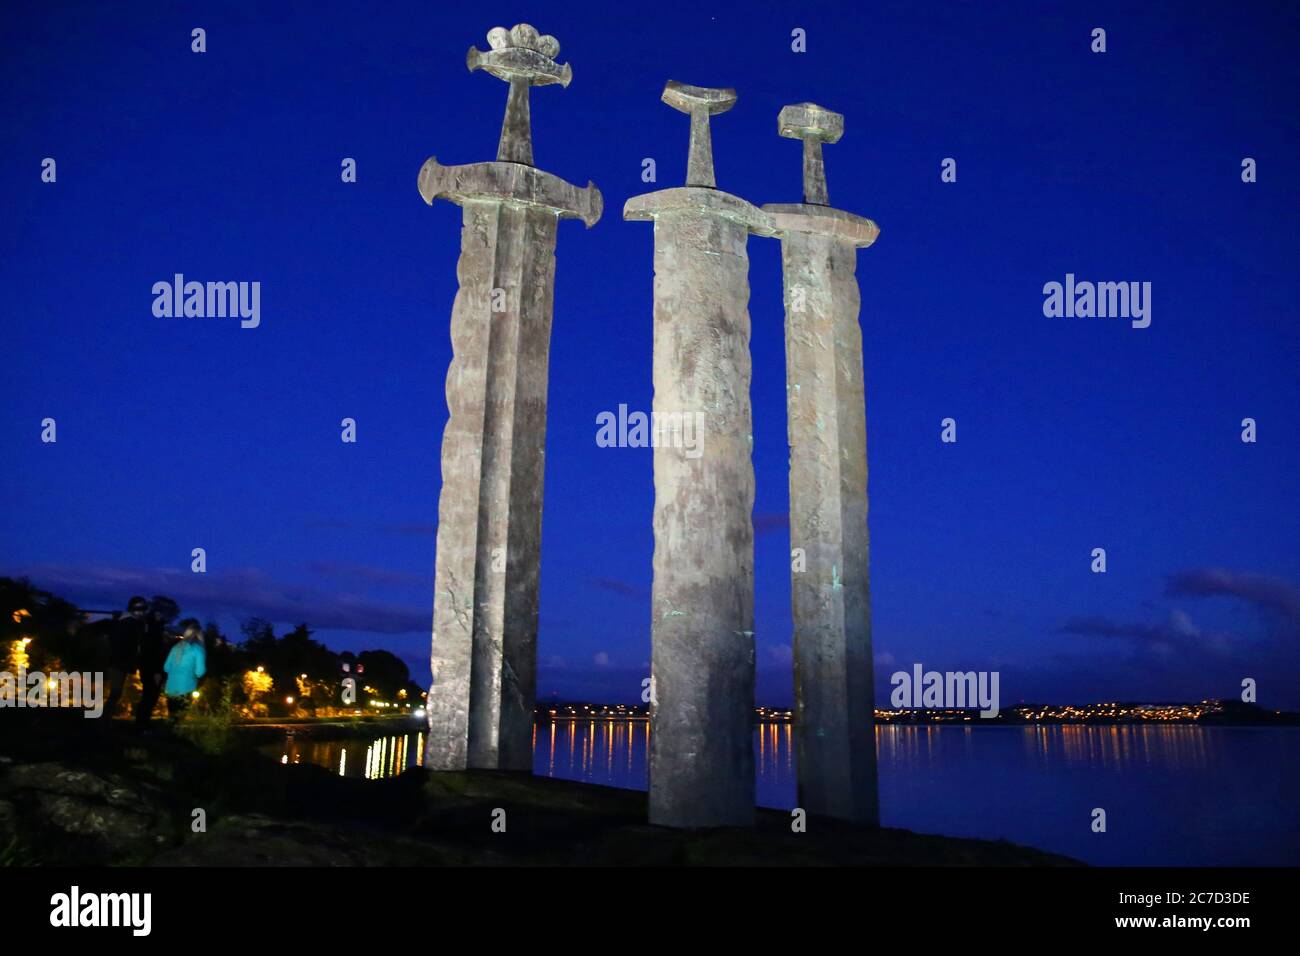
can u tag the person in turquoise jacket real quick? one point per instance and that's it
(186, 664)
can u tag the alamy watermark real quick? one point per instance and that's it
(684, 430)
(1102, 300)
(952, 689)
(209, 300)
(36, 689)
(133, 911)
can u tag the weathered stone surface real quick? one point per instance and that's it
(8, 823)
(699, 103)
(523, 59)
(842, 227)
(262, 812)
(258, 840)
(702, 628)
(484, 647)
(825, 399)
(814, 125)
(510, 183)
(111, 815)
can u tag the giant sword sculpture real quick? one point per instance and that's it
(484, 648)
(702, 626)
(834, 712)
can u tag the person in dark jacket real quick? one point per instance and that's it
(124, 650)
(154, 645)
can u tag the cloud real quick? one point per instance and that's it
(1104, 627)
(770, 523)
(1179, 635)
(622, 588)
(1181, 623)
(425, 528)
(327, 524)
(777, 655)
(351, 571)
(612, 684)
(241, 592)
(1272, 595)
(1177, 658)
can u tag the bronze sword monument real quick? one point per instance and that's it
(702, 625)
(484, 645)
(827, 428)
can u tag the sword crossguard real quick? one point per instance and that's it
(699, 102)
(524, 59)
(511, 183)
(814, 125)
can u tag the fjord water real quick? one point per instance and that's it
(1173, 795)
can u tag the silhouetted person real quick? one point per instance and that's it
(153, 653)
(95, 645)
(124, 650)
(186, 663)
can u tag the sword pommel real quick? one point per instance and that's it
(814, 125)
(689, 99)
(699, 102)
(522, 58)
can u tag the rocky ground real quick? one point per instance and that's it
(87, 792)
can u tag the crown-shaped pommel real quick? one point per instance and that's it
(524, 59)
(521, 54)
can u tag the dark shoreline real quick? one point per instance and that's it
(345, 728)
(359, 728)
(74, 792)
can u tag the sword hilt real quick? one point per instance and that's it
(699, 102)
(522, 58)
(814, 125)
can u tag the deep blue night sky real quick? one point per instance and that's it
(1073, 433)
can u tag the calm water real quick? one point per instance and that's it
(1173, 795)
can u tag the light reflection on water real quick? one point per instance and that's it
(372, 759)
(1174, 795)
